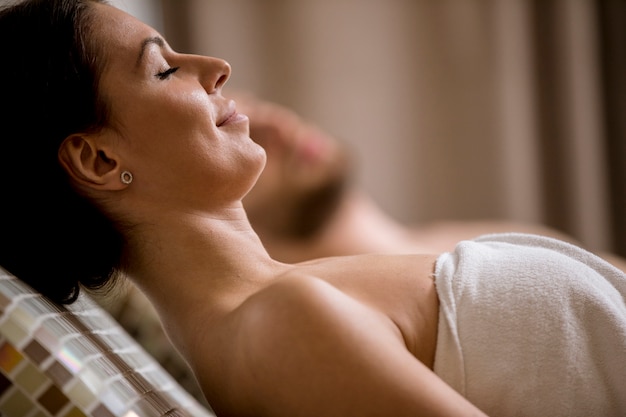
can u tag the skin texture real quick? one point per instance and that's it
(335, 337)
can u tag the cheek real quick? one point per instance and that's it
(172, 104)
(180, 115)
(163, 129)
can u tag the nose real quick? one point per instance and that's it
(214, 74)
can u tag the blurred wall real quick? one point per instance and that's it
(454, 108)
(406, 83)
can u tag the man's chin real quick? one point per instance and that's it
(312, 211)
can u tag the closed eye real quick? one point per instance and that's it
(165, 74)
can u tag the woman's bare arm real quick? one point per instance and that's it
(307, 349)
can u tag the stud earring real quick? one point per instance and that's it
(126, 177)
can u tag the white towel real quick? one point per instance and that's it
(532, 326)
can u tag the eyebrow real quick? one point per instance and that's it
(155, 40)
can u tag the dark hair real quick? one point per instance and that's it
(50, 237)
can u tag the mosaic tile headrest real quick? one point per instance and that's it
(77, 361)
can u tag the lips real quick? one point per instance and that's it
(226, 119)
(230, 114)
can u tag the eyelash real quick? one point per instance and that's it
(165, 74)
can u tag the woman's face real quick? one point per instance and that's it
(183, 142)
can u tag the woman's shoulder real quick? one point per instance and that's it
(305, 343)
(303, 299)
(296, 321)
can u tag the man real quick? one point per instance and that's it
(305, 206)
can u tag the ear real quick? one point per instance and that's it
(90, 163)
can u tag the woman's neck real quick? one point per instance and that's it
(198, 264)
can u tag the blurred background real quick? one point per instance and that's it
(455, 109)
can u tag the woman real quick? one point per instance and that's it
(137, 161)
